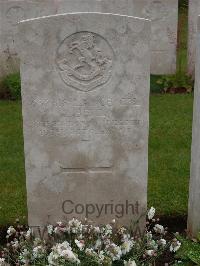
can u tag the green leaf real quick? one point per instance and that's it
(194, 256)
(198, 236)
(189, 250)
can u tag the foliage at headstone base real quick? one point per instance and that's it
(10, 87)
(189, 253)
(77, 243)
(183, 3)
(177, 83)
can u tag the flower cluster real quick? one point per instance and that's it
(74, 243)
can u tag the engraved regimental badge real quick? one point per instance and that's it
(85, 61)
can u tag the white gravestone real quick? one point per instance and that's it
(117, 6)
(11, 12)
(194, 192)
(85, 90)
(164, 19)
(70, 6)
(164, 16)
(194, 11)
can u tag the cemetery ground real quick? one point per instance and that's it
(169, 157)
(169, 145)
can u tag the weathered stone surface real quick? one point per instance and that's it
(194, 11)
(70, 6)
(117, 6)
(11, 12)
(85, 90)
(194, 194)
(164, 17)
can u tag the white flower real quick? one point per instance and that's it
(2, 262)
(101, 256)
(152, 244)
(130, 263)
(62, 246)
(56, 230)
(37, 241)
(90, 251)
(175, 245)
(127, 246)
(52, 259)
(114, 251)
(50, 229)
(60, 224)
(98, 244)
(69, 255)
(150, 252)
(75, 226)
(28, 234)
(24, 255)
(15, 244)
(63, 251)
(106, 230)
(149, 235)
(11, 231)
(96, 229)
(80, 244)
(159, 229)
(125, 237)
(151, 213)
(162, 242)
(38, 252)
(122, 230)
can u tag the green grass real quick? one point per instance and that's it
(169, 156)
(182, 44)
(169, 152)
(169, 148)
(12, 177)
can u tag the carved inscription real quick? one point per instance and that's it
(86, 120)
(85, 61)
(95, 170)
(85, 130)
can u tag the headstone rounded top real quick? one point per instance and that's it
(15, 14)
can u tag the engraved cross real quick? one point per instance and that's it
(86, 170)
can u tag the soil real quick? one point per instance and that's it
(5, 94)
(3, 231)
(174, 223)
(178, 90)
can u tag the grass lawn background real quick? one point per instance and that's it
(169, 149)
(169, 156)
